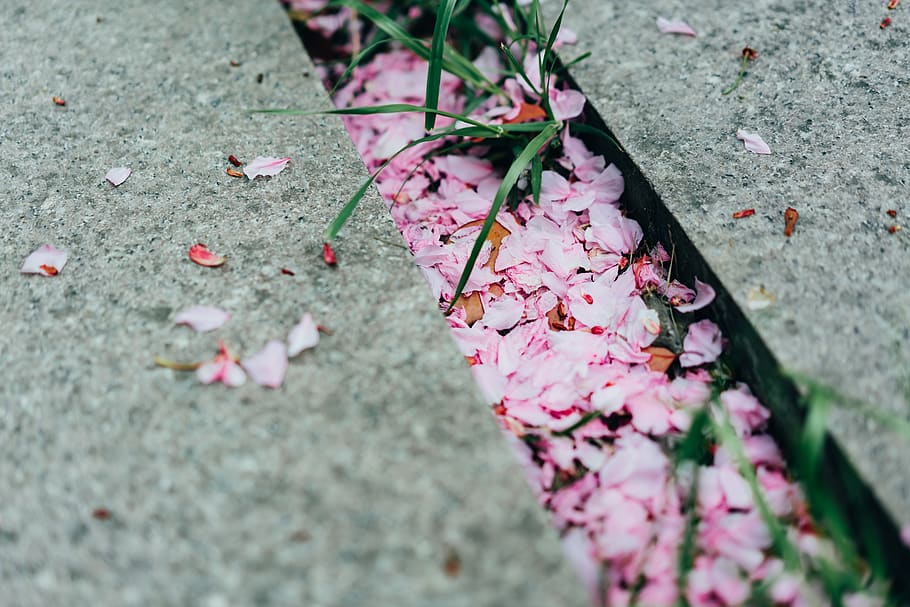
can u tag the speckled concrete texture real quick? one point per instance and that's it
(829, 93)
(354, 483)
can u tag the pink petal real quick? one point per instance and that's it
(674, 26)
(118, 175)
(268, 366)
(202, 318)
(704, 294)
(46, 260)
(566, 104)
(303, 336)
(703, 344)
(265, 165)
(753, 142)
(200, 254)
(504, 313)
(233, 375)
(905, 534)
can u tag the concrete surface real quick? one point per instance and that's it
(352, 484)
(829, 94)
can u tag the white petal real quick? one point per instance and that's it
(46, 260)
(265, 165)
(753, 142)
(303, 336)
(202, 318)
(118, 175)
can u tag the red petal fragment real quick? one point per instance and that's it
(894, 229)
(233, 172)
(324, 329)
(328, 255)
(233, 160)
(790, 217)
(452, 565)
(893, 4)
(58, 100)
(49, 270)
(287, 272)
(46, 260)
(891, 213)
(102, 514)
(588, 298)
(750, 53)
(885, 23)
(597, 330)
(200, 254)
(743, 213)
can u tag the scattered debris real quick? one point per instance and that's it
(175, 366)
(885, 23)
(118, 175)
(759, 299)
(266, 166)
(891, 213)
(235, 63)
(674, 26)
(202, 318)
(452, 564)
(287, 272)
(893, 4)
(747, 54)
(46, 260)
(790, 217)
(101, 514)
(894, 229)
(233, 160)
(743, 213)
(233, 172)
(328, 254)
(58, 100)
(753, 142)
(201, 255)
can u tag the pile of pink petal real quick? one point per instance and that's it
(558, 330)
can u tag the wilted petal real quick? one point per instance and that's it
(268, 366)
(118, 175)
(753, 142)
(46, 260)
(266, 166)
(200, 254)
(704, 294)
(303, 336)
(202, 318)
(566, 104)
(674, 26)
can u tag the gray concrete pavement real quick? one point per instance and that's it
(349, 486)
(829, 94)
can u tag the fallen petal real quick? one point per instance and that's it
(753, 142)
(46, 260)
(704, 294)
(118, 175)
(303, 336)
(328, 255)
(674, 26)
(202, 318)
(268, 366)
(566, 104)
(266, 166)
(200, 254)
(791, 215)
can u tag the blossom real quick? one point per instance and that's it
(703, 344)
(223, 368)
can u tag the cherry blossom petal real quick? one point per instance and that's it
(222, 368)
(905, 534)
(202, 318)
(201, 255)
(566, 104)
(46, 260)
(118, 175)
(753, 142)
(703, 344)
(268, 366)
(704, 295)
(266, 166)
(303, 336)
(503, 313)
(674, 26)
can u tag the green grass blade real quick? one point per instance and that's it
(536, 177)
(390, 108)
(342, 217)
(434, 70)
(586, 128)
(548, 55)
(508, 182)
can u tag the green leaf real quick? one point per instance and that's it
(547, 56)
(434, 69)
(536, 177)
(814, 431)
(508, 182)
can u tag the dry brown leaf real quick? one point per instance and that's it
(527, 113)
(497, 233)
(472, 305)
(661, 358)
